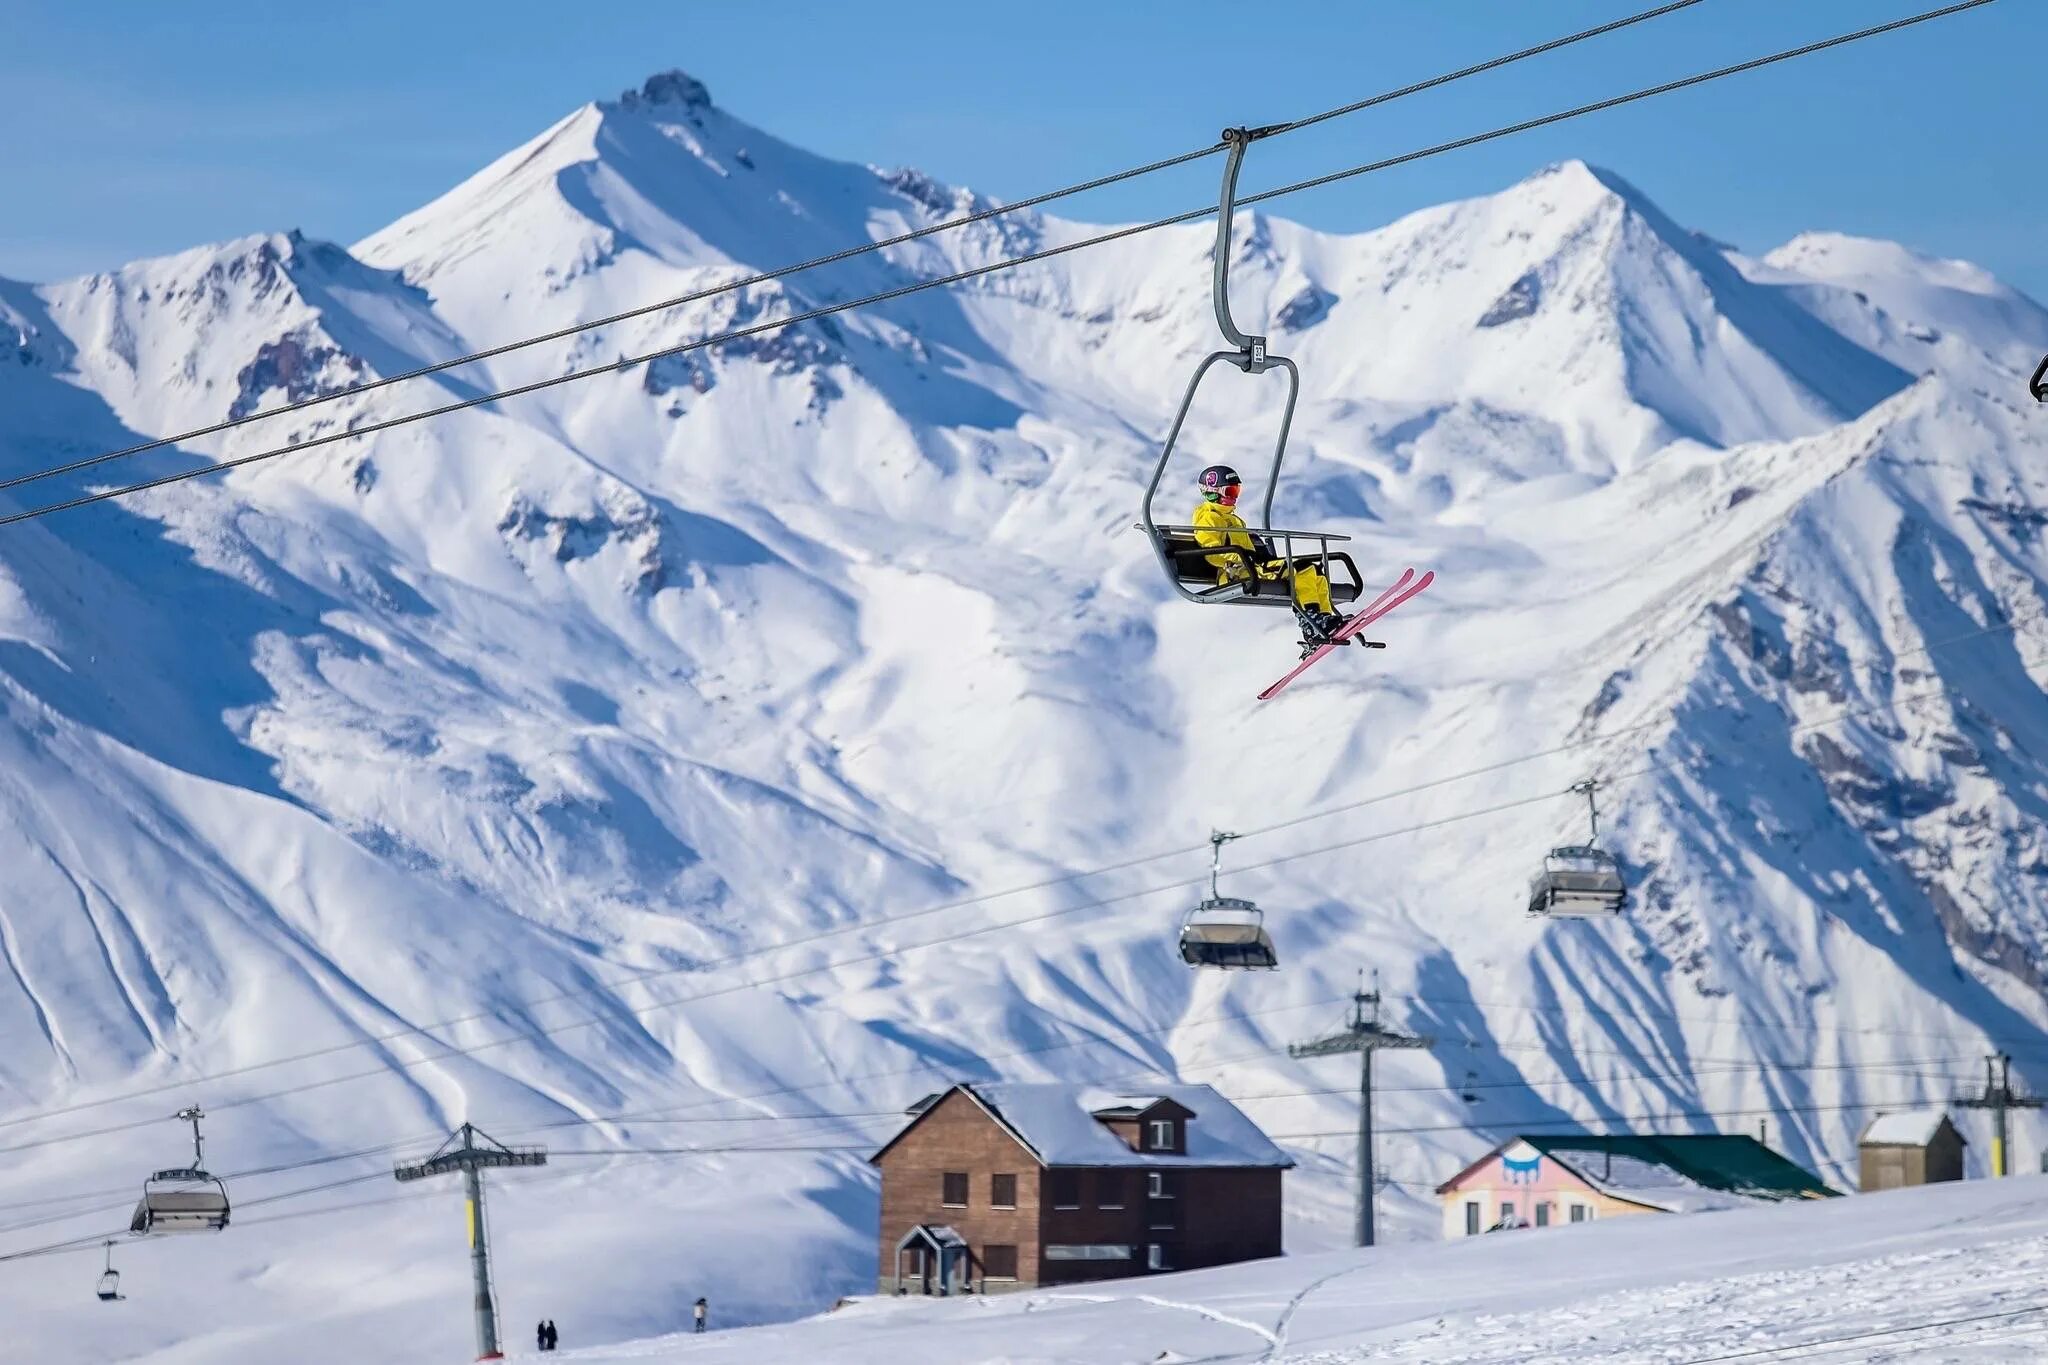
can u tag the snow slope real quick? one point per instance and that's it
(1949, 1273)
(535, 717)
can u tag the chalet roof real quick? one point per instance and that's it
(1680, 1173)
(1058, 1123)
(1907, 1128)
(939, 1235)
(1135, 1106)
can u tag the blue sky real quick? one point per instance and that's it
(137, 127)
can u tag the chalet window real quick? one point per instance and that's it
(1582, 1213)
(1157, 1186)
(1057, 1252)
(1160, 1136)
(1472, 1217)
(1156, 1258)
(1543, 1214)
(1064, 1188)
(953, 1189)
(1002, 1194)
(998, 1263)
(1109, 1189)
(1507, 1212)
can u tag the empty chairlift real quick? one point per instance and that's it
(2038, 385)
(109, 1287)
(1226, 932)
(184, 1198)
(1579, 880)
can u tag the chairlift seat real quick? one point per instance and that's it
(1193, 570)
(1578, 882)
(184, 1200)
(1227, 933)
(109, 1286)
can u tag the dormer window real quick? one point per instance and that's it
(1162, 1135)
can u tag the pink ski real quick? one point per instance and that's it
(1393, 597)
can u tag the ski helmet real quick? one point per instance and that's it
(1217, 478)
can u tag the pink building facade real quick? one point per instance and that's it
(1519, 1187)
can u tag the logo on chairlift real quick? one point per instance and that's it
(1521, 1164)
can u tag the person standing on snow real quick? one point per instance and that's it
(1217, 524)
(699, 1312)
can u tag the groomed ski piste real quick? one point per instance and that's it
(1954, 1273)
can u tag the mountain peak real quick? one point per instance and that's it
(674, 88)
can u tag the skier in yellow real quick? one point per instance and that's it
(1217, 523)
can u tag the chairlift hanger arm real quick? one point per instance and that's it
(1590, 789)
(1251, 350)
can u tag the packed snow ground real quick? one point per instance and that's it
(1953, 1273)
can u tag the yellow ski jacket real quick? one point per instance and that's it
(1216, 524)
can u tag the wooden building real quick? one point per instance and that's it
(1912, 1147)
(998, 1187)
(1537, 1182)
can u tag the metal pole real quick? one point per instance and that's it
(1366, 1180)
(480, 1267)
(1998, 1141)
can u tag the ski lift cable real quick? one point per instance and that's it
(421, 1029)
(881, 954)
(426, 1030)
(659, 1115)
(1716, 1068)
(96, 1240)
(878, 955)
(412, 1031)
(974, 272)
(1577, 1126)
(850, 252)
(1713, 1068)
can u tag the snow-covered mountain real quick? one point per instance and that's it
(480, 718)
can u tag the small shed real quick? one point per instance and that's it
(1911, 1147)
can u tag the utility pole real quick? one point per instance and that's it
(1365, 1036)
(469, 1152)
(2000, 1098)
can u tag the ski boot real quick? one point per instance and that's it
(1318, 628)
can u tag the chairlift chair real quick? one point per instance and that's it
(1208, 574)
(109, 1287)
(183, 1198)
(2038, 385)
(1226, 932)
(1579, 881)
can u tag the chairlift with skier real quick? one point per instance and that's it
(1219, 560)
(183, 1198)
(1226, 932)
(1579, 881)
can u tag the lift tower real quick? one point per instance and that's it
(470, 1152)
(1363, 1036)
(2000, 1098)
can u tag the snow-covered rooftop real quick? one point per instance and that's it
(1907, 1128)
(1058, 1123)
(1648, 1182)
